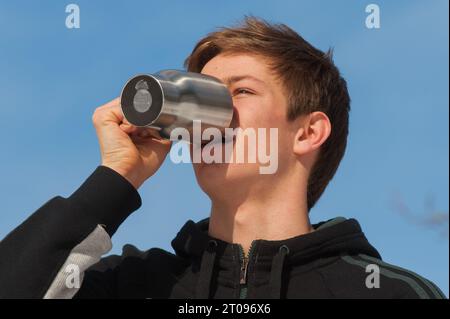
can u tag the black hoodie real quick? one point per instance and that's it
(56, 253)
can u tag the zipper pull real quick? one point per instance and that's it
(243, 276)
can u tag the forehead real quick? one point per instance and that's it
(226, 65)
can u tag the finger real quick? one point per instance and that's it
(116, 111)
(116, 108)
(163, 141)
(128, 128)
(163, 144)
(110, 112)
(112, 103)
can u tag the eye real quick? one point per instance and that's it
(240, 91)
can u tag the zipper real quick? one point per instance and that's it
(244, 260)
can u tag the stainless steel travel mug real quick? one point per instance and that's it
(170, 99)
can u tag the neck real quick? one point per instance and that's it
(278, 214)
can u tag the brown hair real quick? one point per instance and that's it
(309, 77)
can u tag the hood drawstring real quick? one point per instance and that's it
(276, 272)
(202, 290)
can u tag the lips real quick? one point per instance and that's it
(224, 140)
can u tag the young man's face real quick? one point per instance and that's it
(259, 102)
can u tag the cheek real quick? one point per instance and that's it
(261, 119)
(258, 112)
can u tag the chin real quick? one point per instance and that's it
(214, 179)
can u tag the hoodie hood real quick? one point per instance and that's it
(333, 238)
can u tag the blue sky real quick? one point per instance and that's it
(395, 175)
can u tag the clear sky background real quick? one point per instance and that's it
(394, 177)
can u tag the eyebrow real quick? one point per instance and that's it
(232, 79)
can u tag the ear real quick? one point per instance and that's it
(313, 132)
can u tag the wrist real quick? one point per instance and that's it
(130, 175)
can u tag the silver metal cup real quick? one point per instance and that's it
(171, 99)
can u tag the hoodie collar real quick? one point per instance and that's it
(335, 237)
(338, 236)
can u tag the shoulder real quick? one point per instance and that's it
(133, 257)
(389, 281)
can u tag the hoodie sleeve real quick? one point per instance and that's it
(47, 255)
